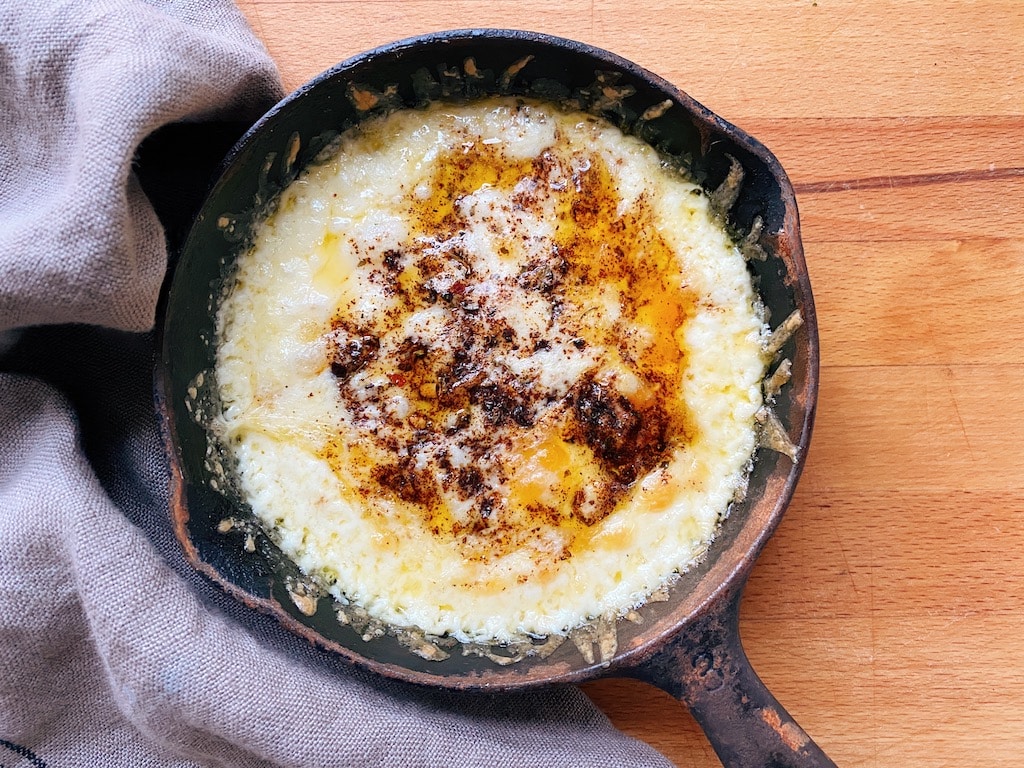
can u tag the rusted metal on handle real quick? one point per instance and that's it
(706, 668)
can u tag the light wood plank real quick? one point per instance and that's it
(930, 693)
(343, 29)
(908, 213)
(831, 559)
(955, 303)
(848, 154)
(839, 58)
(918, 428)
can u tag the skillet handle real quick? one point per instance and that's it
(706, 668)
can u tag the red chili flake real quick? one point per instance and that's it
(397, 379)
(458, 287)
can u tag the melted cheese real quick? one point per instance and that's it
(491, 371)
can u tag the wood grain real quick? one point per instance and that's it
(837, 58)
(887, 613)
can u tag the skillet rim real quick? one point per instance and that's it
(731, 566)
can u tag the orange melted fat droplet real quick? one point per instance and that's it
(519, 268)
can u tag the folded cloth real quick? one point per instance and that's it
(112, 651)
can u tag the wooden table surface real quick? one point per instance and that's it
(887, 613)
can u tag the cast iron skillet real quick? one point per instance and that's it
(688, 645)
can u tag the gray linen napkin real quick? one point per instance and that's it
(112, 652)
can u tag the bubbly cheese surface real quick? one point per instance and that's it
(491, 370)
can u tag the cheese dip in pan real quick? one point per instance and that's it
(490, 370)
